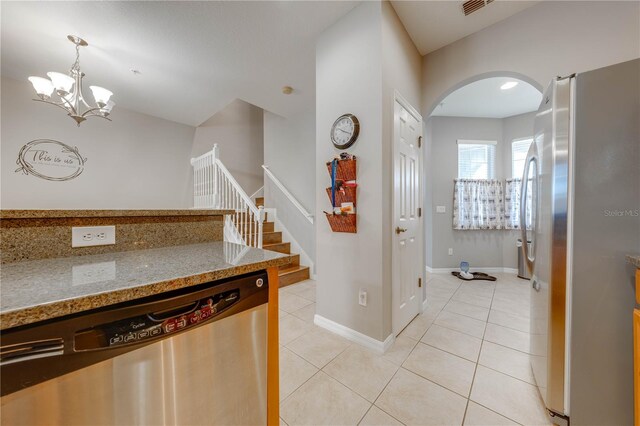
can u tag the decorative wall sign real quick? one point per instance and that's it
(50, 160)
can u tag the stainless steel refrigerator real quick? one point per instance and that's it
(583, 172)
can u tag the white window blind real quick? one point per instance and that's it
(476, 159)
(519, 149)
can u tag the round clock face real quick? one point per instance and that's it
(344, 131)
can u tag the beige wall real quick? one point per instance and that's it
(376, 57)
(134, 162)
(238, 131)
(290, 153)
(401, 73)
(346, 263)
(549, 39)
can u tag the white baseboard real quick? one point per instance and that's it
(354, 336)
(305, 260)
(472, 269)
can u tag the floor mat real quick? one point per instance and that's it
(476, 276)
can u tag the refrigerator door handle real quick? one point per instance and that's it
(531, 158)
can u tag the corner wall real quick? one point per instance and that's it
(375, 57)
(290, 154)
(346, 263)
(238, 131)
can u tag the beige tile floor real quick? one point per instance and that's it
(464, 361)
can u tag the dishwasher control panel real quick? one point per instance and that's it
(155, 324)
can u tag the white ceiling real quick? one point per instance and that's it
(434, 24)
(484, 98)
(194, 57)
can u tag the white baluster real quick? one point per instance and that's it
(260, 225)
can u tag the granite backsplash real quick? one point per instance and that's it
(46, 234)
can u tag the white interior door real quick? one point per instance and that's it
(407, 228)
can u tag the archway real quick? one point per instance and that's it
(483, 76)
(478, 110)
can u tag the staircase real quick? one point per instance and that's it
(272, 240)
(214, 187)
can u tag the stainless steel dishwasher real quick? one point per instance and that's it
(195, 356)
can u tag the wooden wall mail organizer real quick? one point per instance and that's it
(345, 193)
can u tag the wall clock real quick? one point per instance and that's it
(344, 131)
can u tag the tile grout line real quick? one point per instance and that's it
(382, 391)
(473, 379)
(508, 347)
(453, 329)
(451, 353)
(494, 411)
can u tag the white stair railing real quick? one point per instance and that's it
(215, 188)
(288, 194)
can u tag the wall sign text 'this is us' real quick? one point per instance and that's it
(50, 160)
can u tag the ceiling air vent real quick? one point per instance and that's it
(470, 6)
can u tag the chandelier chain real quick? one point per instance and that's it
(76, 65)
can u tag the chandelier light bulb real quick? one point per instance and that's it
(62, 82)
(101, 95)
(106, 110)
(42, 86)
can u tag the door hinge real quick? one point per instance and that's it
(419, 141)
(419, 211)
(419, 282)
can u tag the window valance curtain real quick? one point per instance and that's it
(478, 204)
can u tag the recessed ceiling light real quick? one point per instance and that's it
(287, 90)
(135, 71)
(509, 85)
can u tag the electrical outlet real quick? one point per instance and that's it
(362, 298)
(441, 209)
(450, 252)
(86, 236)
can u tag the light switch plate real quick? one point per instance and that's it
(87, 236)
(441, 209)
(362, 297)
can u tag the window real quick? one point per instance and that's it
(519, 149)
(476, 159)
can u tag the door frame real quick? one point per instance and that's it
(398, 98)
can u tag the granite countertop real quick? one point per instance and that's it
(634, 260)
(43, 289)
(54, 214)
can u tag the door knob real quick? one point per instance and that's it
(400, 230)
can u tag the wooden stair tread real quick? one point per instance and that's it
(291, 268)
(279, 247)
(271, 237)
(292, 275)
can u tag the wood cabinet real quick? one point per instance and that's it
(273, 351)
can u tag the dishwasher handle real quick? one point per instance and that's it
(173, 312)
(156, 325)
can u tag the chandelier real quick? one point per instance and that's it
(71, 98)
